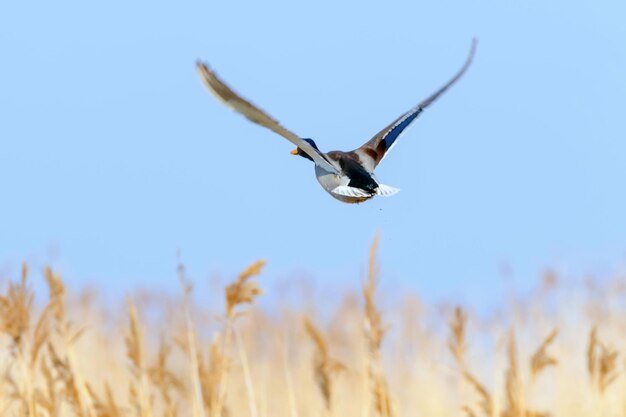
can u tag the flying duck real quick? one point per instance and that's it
(347, 176)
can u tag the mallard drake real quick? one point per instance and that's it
(347, 176)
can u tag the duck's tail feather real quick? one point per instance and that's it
(348, 191)
(386, 191)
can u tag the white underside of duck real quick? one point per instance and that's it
(337, 186)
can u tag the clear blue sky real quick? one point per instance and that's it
(113, 156)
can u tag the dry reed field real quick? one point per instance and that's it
(556, 353)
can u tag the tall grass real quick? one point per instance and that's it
(557, 353)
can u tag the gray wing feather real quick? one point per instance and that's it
(231, 99)
(376, 148)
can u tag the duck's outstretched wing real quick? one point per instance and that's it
(373, 151)
(256, 115)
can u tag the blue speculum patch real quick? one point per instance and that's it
(393, 134)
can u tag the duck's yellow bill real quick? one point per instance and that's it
(294, 152)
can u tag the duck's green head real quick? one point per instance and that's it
(303, 154)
